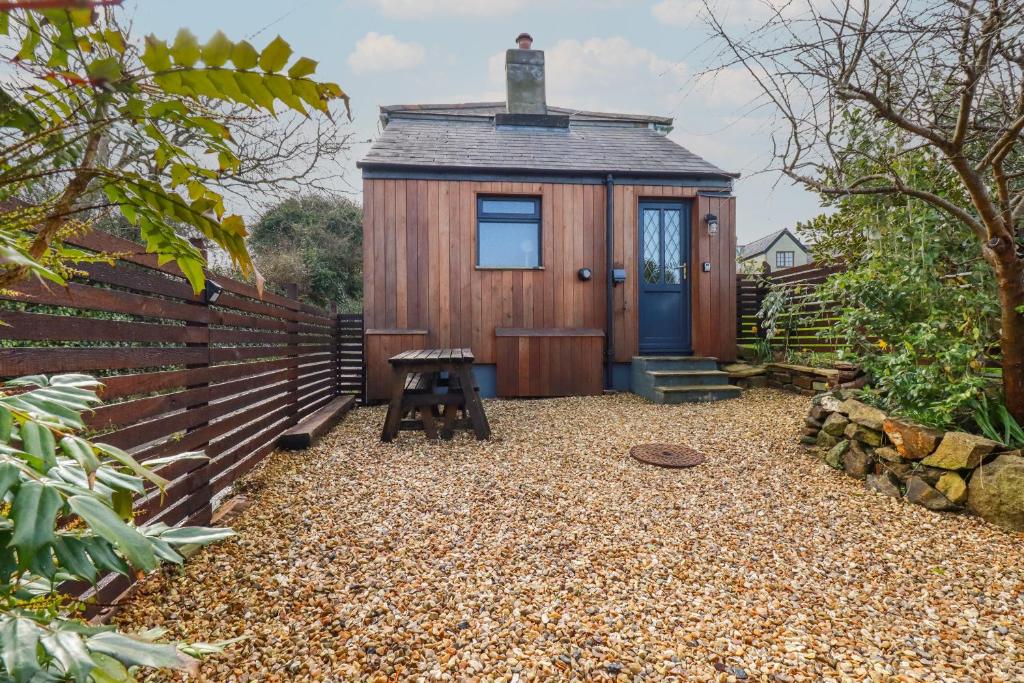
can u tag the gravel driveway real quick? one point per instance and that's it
(548, 553)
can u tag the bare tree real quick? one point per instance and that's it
(946, 75)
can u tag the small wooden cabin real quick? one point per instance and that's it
(558, 245)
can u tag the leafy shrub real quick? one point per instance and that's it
(66, 514)
(918, 305)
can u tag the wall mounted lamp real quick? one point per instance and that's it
(712, 221)
(212, 291)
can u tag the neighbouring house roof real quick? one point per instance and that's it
(763, 244)
(465, 137)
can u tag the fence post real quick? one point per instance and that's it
(199, 333)
(292, 292)
(336, 349)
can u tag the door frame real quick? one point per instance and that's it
(685, 208)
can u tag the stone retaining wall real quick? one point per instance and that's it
(944, 471)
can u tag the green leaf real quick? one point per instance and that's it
(138, 652)
(132, 464)
(104, 556)
(38, 441)
(34, 512)
(275, 55)
(186, 535)
(302, 67)
(108, 669)
(244, 55)
(9, 476)
(80, 451)
(185, 50)
(123, 502)
(105, 522)
(217, 50)
(20, 637)
(73, 558)
(106, 69)
(68, 648)
(6, 422)
(156, 56)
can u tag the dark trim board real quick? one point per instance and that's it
(713, 183)
(305, 434)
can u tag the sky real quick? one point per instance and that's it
(628, 56)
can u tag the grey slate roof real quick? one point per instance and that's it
(763, 244)
(454, 137)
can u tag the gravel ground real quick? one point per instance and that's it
(548, 553)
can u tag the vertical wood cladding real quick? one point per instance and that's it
(420, 265)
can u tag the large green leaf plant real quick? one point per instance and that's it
(90, 119)
(66, 517)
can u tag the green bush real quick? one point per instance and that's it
(66, 514)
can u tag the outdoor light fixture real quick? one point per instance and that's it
(712, 221)
(212, 291)
(584, 274)
(618, 276)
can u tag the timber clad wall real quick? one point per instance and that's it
(420, 268)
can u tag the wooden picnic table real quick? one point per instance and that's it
(416, 387)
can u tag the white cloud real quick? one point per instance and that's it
(687, 13)
(425, 9)
(376, 52)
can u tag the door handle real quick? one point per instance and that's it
(682, 269)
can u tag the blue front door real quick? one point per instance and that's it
(664, 239)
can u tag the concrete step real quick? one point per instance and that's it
(694, 393)
(689, 363)
(675, 378)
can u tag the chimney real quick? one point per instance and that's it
(524, 77)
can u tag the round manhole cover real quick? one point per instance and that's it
(667, 455)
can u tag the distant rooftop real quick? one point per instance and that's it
(763, 244)
(466, 137)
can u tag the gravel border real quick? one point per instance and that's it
(549, 553)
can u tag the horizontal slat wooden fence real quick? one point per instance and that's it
(179, 374)
(815, 317)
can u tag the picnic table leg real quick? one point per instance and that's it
(448, 421)
(395, 410)
(427, 418)
(474, 407)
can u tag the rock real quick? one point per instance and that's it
(857, 462)
(996, 491)
(835, 424)
(952, 486)
(912, 441)
(885, 483)
(858, 412)
(808, 440)
(960, 451)
(811, 422)
(818, 385)
(888, 454)
(921, 493)
(810, 431)
(859, 432)
(834, 456)
(817, 413)
(901, 470)
(831, 403)
(826, 440)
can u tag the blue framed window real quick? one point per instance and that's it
(508, 232)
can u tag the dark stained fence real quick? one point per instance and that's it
(180, 374)
(816, 318)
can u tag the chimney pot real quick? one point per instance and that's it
(524, 79)
(524, 41)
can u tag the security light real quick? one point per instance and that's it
(584, 274)
(212, 291)
(712, 221)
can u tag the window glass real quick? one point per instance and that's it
(506, 206)
(784, 259)
(508, 233)
(509, 245)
